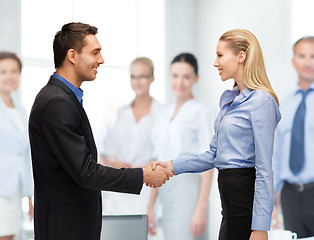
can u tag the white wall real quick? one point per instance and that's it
(268, 20)
(10, 27)
(180, 33)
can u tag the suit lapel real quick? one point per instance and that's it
(60, 84)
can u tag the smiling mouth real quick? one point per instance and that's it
(95, 69)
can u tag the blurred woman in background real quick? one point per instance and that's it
(182, 129)
(15, 166)
(128, 143)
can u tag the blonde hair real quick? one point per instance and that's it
(146, 61)
(255, 76)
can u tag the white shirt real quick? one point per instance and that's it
(16, 118)
(15, 163)
(188, 133)
(129, 141)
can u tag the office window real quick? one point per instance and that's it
(302, 19)
(126, 29)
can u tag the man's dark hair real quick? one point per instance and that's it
(71, 36)
(11, 55)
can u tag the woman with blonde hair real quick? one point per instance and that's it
(242, 146)
(128, 143)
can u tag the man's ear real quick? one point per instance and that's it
(71, 56)
(293, 61)
(242, 57)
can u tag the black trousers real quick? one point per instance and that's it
(236, 187)
(298, 209)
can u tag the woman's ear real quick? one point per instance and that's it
(242, 57)
(197, 78)
(71, 56)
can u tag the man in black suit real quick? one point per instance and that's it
(67, 177)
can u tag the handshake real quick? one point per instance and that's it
(157, 173)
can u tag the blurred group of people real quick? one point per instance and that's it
(184, 128)
(144, 131)
(241, 139)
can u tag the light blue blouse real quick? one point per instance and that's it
(244, 136)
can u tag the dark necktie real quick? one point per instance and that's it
(297, 152)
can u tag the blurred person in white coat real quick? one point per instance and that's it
(128, 143)
(182, 129)
(15, 166)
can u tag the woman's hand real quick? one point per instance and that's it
(168, 165)
(198, 223)
(30, 209)
(275, 221)
(259, 235)
(151, 221)
(120, 164)
(114, 162)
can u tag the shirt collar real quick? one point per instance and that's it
(77, 91)
(299, 90)
(233, 95)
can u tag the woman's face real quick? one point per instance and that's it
(141, 78)
(227, 62)
(182, 78)
(9, 75)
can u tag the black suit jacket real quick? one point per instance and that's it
(67, 177)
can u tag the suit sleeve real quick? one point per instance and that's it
(62, 128)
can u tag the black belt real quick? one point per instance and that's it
(299, 187)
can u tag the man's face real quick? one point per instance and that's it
(89, 59)
(303, 60)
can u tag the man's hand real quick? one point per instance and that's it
(157, 176)
(168, 165)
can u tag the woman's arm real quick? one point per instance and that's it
(30, 208)
(199, 219)
(151, 213)
(264, 118)
(205, 132)
(113, 162)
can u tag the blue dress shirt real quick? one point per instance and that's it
(244, 134)
(282, 170)
(77, 91)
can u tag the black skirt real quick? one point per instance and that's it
(236, 187)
